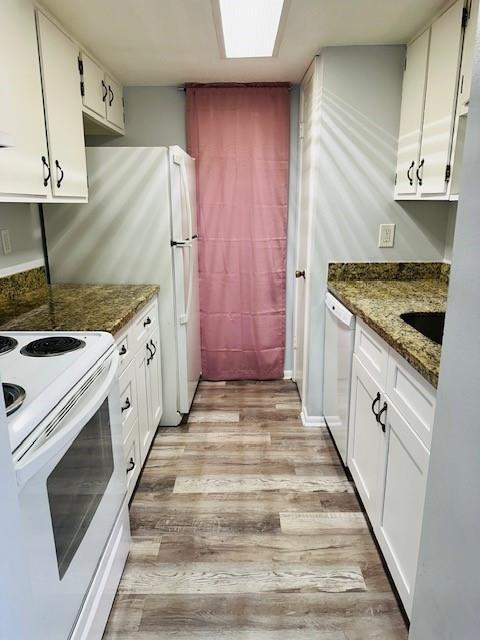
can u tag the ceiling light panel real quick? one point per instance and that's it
(250, 27)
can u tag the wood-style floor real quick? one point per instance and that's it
(245, 527)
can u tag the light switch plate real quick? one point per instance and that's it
(386, 236)
(6, 243)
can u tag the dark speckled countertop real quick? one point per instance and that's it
(379, 297)
(29, 304)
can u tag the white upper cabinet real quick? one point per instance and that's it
(63, 110)
(102, 97)
(411, 121)
(114, 102)
(443, 69)
(23, 174)
(429, 98)
(95, 89)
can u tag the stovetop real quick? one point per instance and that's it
(45, 377)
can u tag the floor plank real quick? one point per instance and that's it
(245, 527)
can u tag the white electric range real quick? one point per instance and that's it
(63, 414)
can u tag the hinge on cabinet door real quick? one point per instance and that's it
(448, 171)
(80, 66)
(395, 179)
(82, 88)
(300, 130)
(123, 104)
(465, 17)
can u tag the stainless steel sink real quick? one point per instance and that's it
(428, 324)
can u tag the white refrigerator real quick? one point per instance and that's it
(139, 227)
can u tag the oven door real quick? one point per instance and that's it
(71, 479)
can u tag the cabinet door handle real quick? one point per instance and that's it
(123, 350)
(105, 91)
(59, 168)
(150, 358)
(47, 177)
(154, 348)
(110, 95)
(147, 322)
(131, 465)
(410, 178)
(419, 177)
(377, 399)
(379, 415)
(127, 405)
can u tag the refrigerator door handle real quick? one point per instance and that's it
(185, 317)
(184, 181)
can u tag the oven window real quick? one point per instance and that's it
(76, 485)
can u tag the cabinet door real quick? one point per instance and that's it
(440, 99)
(155, 382)
(403, 495)
(63, 110)
(467, 57)
(411, 119)
(94, 87)
(143, 383)
(114, 103)
(21, 106)
(366, 440)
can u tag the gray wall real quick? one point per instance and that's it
(23, 223)
(357, 141)
(447, 592)
(155, 116)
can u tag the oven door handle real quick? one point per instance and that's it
(38, 454)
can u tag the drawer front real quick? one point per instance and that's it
(145, 323)
(125, 349)
(413, 396)
(372, 352)
(128, 399)
(132, 461)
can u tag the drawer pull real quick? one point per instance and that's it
(123, 350)
(377, 399)
(379, 415)
(147, 322)
(127, 405)
(131, 465)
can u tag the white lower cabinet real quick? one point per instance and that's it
(389, 435)
(140, 389)
(366, 439)
(403, 483)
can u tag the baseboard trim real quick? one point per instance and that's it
(312, 421)
(287, 374)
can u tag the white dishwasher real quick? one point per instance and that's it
(339, 343)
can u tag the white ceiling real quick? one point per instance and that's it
(164, 42)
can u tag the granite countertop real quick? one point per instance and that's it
(72, 307)
(378, 298)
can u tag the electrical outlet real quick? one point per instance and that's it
(6, 243)
(386, 236)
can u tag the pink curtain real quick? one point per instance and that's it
(240, 138)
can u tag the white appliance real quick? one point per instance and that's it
(339, 344)
(139, 226)
(63, 416)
